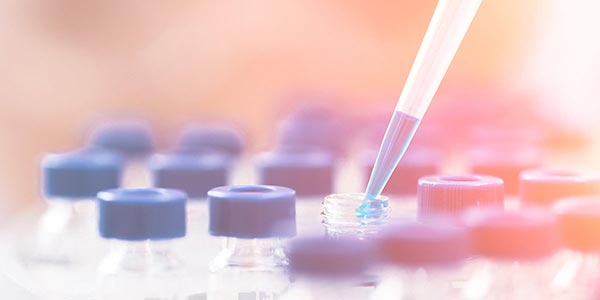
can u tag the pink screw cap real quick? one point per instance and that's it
(544, 187)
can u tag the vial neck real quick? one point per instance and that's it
(68, 214)
(75, 205)
(329, 288)
(255, 253)
(142, 256)
(350, 215)
(141, 248)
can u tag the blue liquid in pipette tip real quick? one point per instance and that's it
(398, 136)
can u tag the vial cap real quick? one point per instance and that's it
(195, 174)
(330, 258)
(142, 214)
(504, 161)
(579, 220)
(129, 138)
(313, 125)
(451, 195)
(307, 171)
(416, 244)
(252, 211)
(417, 162)
(544, 187)
(525, 234)
(79, 175)
(223, 138)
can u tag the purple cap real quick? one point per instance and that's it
(546, 186)
(307, 171)
(199, 137)
(579, 220)
(416, 163)
(130, 138)
(141, 214)
(195, 174)
(80, 175)
(252, 211)
(313, 125)
(330, 258)
(416, 244)
(525, 234)
(451, 195)
(504, 161)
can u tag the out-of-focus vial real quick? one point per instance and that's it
(504, 161)
(314, 125)
(329, 269)
(353, 216)
(131, 139)
(422, 261)
(195, 174)
(253, 220)
(141, 224)
(402, 186)
(65, 245)
(515, 253)
(307, 171)
(451, 195)
(545, 186)
(578, 273)
(222, 138)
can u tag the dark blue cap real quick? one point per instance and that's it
(308, 172)
(79, 175)
(129, 138)
(195, 174)
(332, 258)
(252, 211)
(141, 214)
(199, 137)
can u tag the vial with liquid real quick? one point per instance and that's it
(515, 253)
(417, 162)
(353, 216)
(422, 261)
(326, 268)
(252, 220)
(65, 245)
(141, 225)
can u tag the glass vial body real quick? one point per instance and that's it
(249, 269)
(495, 280)
(419, 283)
(140, 270)
(318, 289)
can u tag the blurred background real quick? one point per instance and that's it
(66, 64)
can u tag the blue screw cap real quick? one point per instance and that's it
(142, 214)
(128, 138)
(79, 175)
(252, 211)
(309, 172)
(195, 174)
(200, 137)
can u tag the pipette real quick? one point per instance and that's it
(446, 31)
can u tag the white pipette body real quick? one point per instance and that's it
(446, 31)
